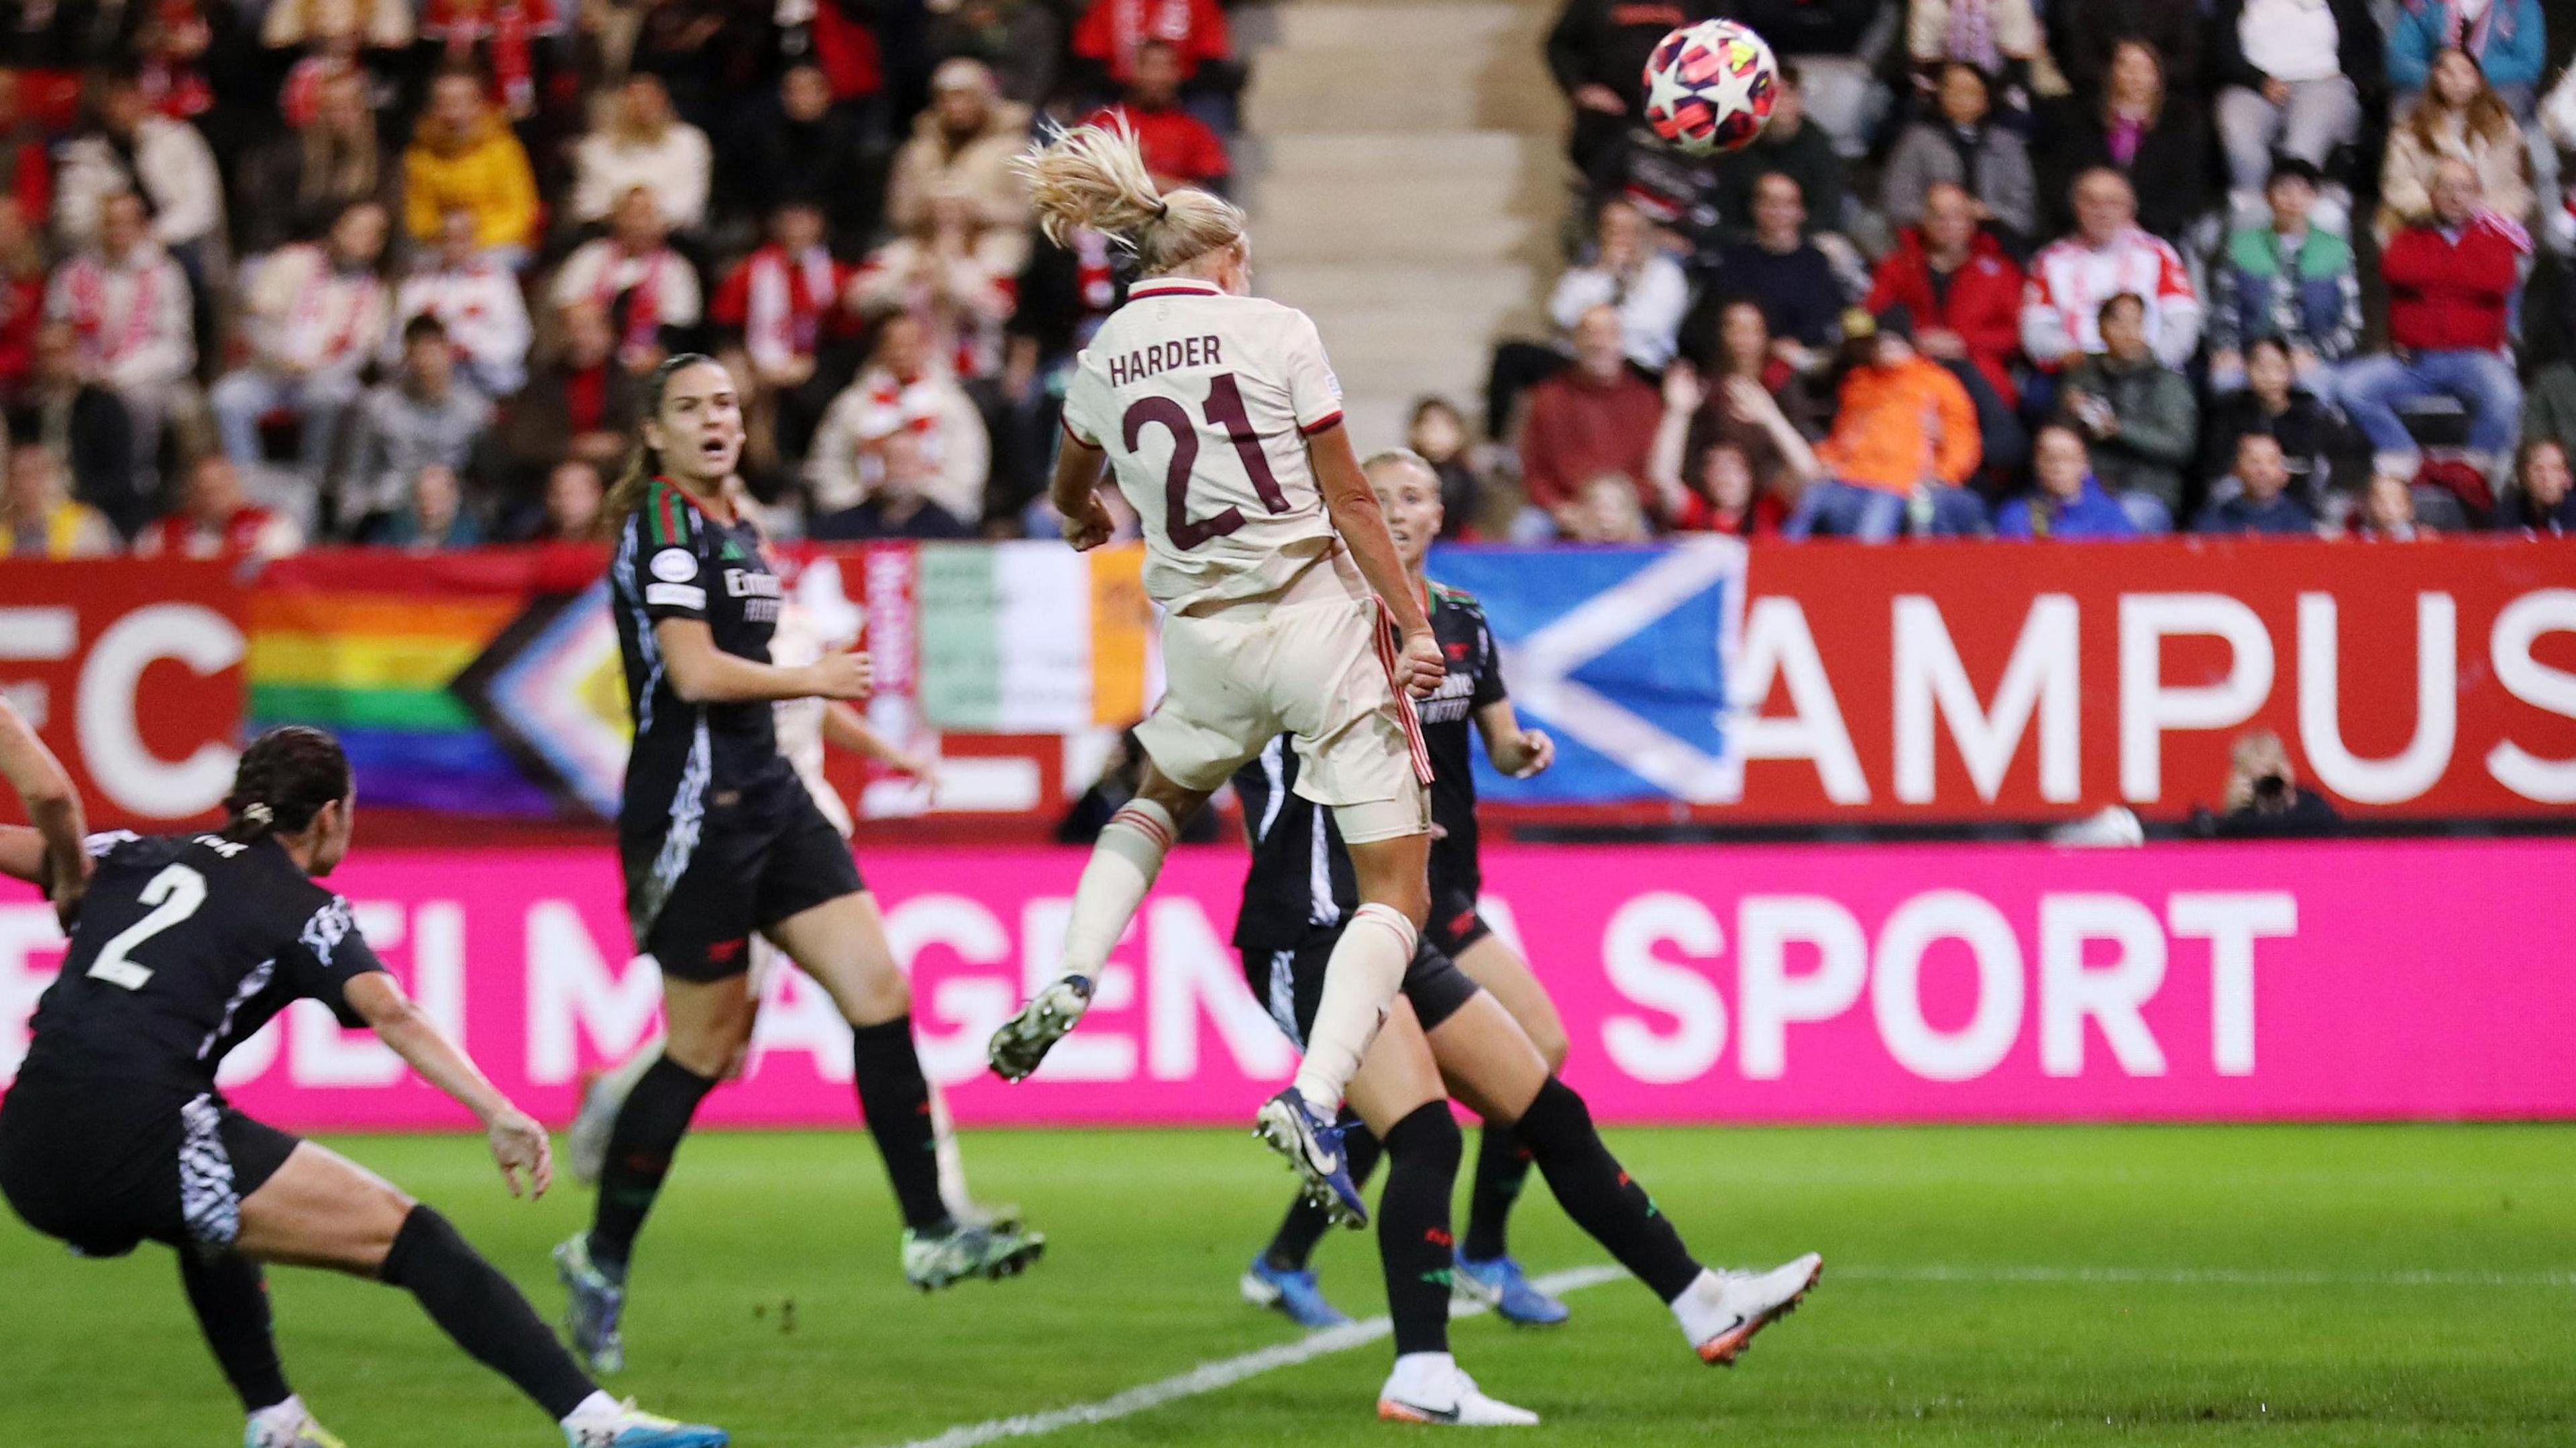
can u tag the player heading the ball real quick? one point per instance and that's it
(1288, 612)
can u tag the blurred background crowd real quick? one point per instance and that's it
(286, 271)
(372, 272)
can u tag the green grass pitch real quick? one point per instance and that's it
(2340, 1285)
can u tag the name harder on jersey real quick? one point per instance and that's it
(1157, 357)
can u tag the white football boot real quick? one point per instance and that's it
(1722, 1310)
(1430, 1387)
(287, 1425)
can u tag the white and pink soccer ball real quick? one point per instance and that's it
(1711, 87)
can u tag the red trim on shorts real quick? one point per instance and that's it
(1403, 699)
(1321, 424)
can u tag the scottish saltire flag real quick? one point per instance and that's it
(1620, 655)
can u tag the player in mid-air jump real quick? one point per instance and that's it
(1298, 893)
(1450, 1035)
(1221, 422)
(115, 1133)
(721, 839)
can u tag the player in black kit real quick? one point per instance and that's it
(115, 1133)
(1281, 908)
(1477, 1035)
(720, 838)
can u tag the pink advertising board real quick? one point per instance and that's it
(1967, 983)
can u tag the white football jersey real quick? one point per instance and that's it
(1204, 402)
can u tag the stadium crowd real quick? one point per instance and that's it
(2067, 269)
(386, 272)
(371, 271)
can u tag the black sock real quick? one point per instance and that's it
(479, 1308)
(647, 1131)
(1306, 1223)
(1600, 1198)
(231, 1300)
(1413, 1240)
(1502, 1164)
(896, 1102)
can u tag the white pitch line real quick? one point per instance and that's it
(1209, 1377)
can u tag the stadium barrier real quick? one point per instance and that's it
(1698, 984)
(1812, 685)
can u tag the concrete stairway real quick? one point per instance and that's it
(1402, 164)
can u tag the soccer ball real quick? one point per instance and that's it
(1710, 87)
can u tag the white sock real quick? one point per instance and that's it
(1416, 1373)
(1360, 982)
(278, 1422)
(596, 1411)
(1702, 1309)
(1122, 868)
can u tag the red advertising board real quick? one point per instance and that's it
(132, 672)
(1958, 680)
(1929, 682)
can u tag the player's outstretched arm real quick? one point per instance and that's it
(519, 1144)
(53, 807)
(1517, 751)
(1352, 504)
(705, 674)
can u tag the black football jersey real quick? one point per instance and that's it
(186, 945)
(674, 560)
(1300, 887)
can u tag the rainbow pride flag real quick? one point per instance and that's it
(378, 649)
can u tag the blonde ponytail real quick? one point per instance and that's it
(1095, 176)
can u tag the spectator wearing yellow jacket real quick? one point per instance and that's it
(462, 157)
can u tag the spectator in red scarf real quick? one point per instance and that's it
(649, 291)
(905, 387)
(215, 519)
(170, 46)
(953, 273)
(127, 303)
(477, 300)
(781, 311)
(512, 41)
(899, 506)
(314, 315)
(1179, 148)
